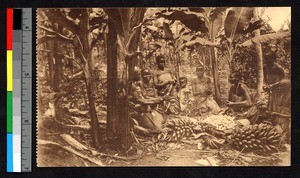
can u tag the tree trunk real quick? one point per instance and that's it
(215, 75)
(260, 71)
(93, 114)
(82, 44)
(50, 56)
(136, 19)
(88, 71)
(112, 87)
(125, 20)
(57, 73)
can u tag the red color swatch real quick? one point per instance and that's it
(9, 27)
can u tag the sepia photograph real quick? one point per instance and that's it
(167, 86)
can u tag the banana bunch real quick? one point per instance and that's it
(177, 129)
(256, 137)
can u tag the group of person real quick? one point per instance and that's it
(159, 92)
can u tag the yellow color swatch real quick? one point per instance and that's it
(9, 64)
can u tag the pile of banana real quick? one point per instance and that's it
(210, 129)
(220, 122)
(262, 137)
(177, 129)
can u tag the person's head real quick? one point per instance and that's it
(200, 70)
(277, 73)
(234, 78)
(182, 82)
(160, 61)
(146, 74)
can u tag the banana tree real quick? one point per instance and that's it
(79, 23)
(240, 21)
(127, 23)
(204, 25)
(260, 65)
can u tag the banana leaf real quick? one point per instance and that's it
(198, 41)
(237, 20)
(266, 38)
(189, 19)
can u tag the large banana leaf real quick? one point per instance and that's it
(189, 19)
(217, 18)
(216, 11)
(266, 38)
(237, 21)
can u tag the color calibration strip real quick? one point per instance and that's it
(19, 83)
(9, 65)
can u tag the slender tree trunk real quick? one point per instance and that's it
(82, 43)
(112, 88)
(215, 75)
(93, 114)
(86, 59)
(50, 56)
(57, 73)
(260, 71)
(134, 20)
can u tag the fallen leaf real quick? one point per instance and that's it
(247, 159)
(203, 162)
(212, 161)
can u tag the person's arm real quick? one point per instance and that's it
(141, 99)
(230, 95)
(138, 96)
(162, 83)
(283, 82)
(155, 78)
(286, 116)
(246, 95)
(209, 86)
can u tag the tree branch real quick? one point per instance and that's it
(46, 38)
(69, 126)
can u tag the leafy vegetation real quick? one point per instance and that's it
(87, 59)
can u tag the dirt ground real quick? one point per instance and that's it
(189, 155)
